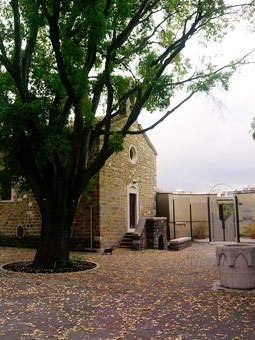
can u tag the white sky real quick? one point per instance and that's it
(208, 140)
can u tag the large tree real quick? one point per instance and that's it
(62, 62)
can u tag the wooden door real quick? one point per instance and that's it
(132, 211)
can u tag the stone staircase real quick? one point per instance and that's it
(150, 232)
(127, 240)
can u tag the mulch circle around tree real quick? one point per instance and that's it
(70, 267)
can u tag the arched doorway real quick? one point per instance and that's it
(133, 206)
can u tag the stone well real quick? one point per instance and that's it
(236, 264)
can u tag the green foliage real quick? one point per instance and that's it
(55, 143)
(121, 84)
(207, 81)
(49, 140)
(61, 64)
(161, 94)
(227, 211)
(89, 191)
(116, 142)
(253, 128)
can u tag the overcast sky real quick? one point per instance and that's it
(208, 140)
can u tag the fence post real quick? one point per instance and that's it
(174, 219)
(190, 221)
(237, 219)
(209, 219)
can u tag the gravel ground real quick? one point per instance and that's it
(151, 294)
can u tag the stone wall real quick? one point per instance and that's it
(156, 233)
(118, 174)
(108, 205)
(152, 234)
(21, 210)
(86, 225)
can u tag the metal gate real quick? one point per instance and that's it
(223, 220)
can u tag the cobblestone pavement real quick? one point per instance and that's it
(151, 294)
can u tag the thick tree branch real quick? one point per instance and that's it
(240, 61)
(3, 50)
(107, 8)
(119, 107)
(162, 118)
(122, 131)
(117, 43)
(26, 158)
(55, 40)
(110, 97)
(29, 49)
(180, 42)
(123, 36)
(139, 104)
(91, 53)
(98, 88)
(144, 42)
(16, 62)
(4, 59)
(17, 34)
(78, 122)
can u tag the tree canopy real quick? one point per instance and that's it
(62, 59)
(63, 63)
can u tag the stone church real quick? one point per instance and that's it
(124, 194)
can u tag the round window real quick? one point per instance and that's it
(132, 154)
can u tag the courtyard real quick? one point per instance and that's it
(151, 294)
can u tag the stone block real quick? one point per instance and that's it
(180, 243)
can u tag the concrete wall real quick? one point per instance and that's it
(169, 203)
(200, 212)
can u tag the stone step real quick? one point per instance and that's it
(127, 240)
(127, 237)
(130, 240)
(126, 243)
(125, 246)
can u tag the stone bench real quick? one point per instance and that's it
(180, 243)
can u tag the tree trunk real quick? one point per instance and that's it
(57, 217)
